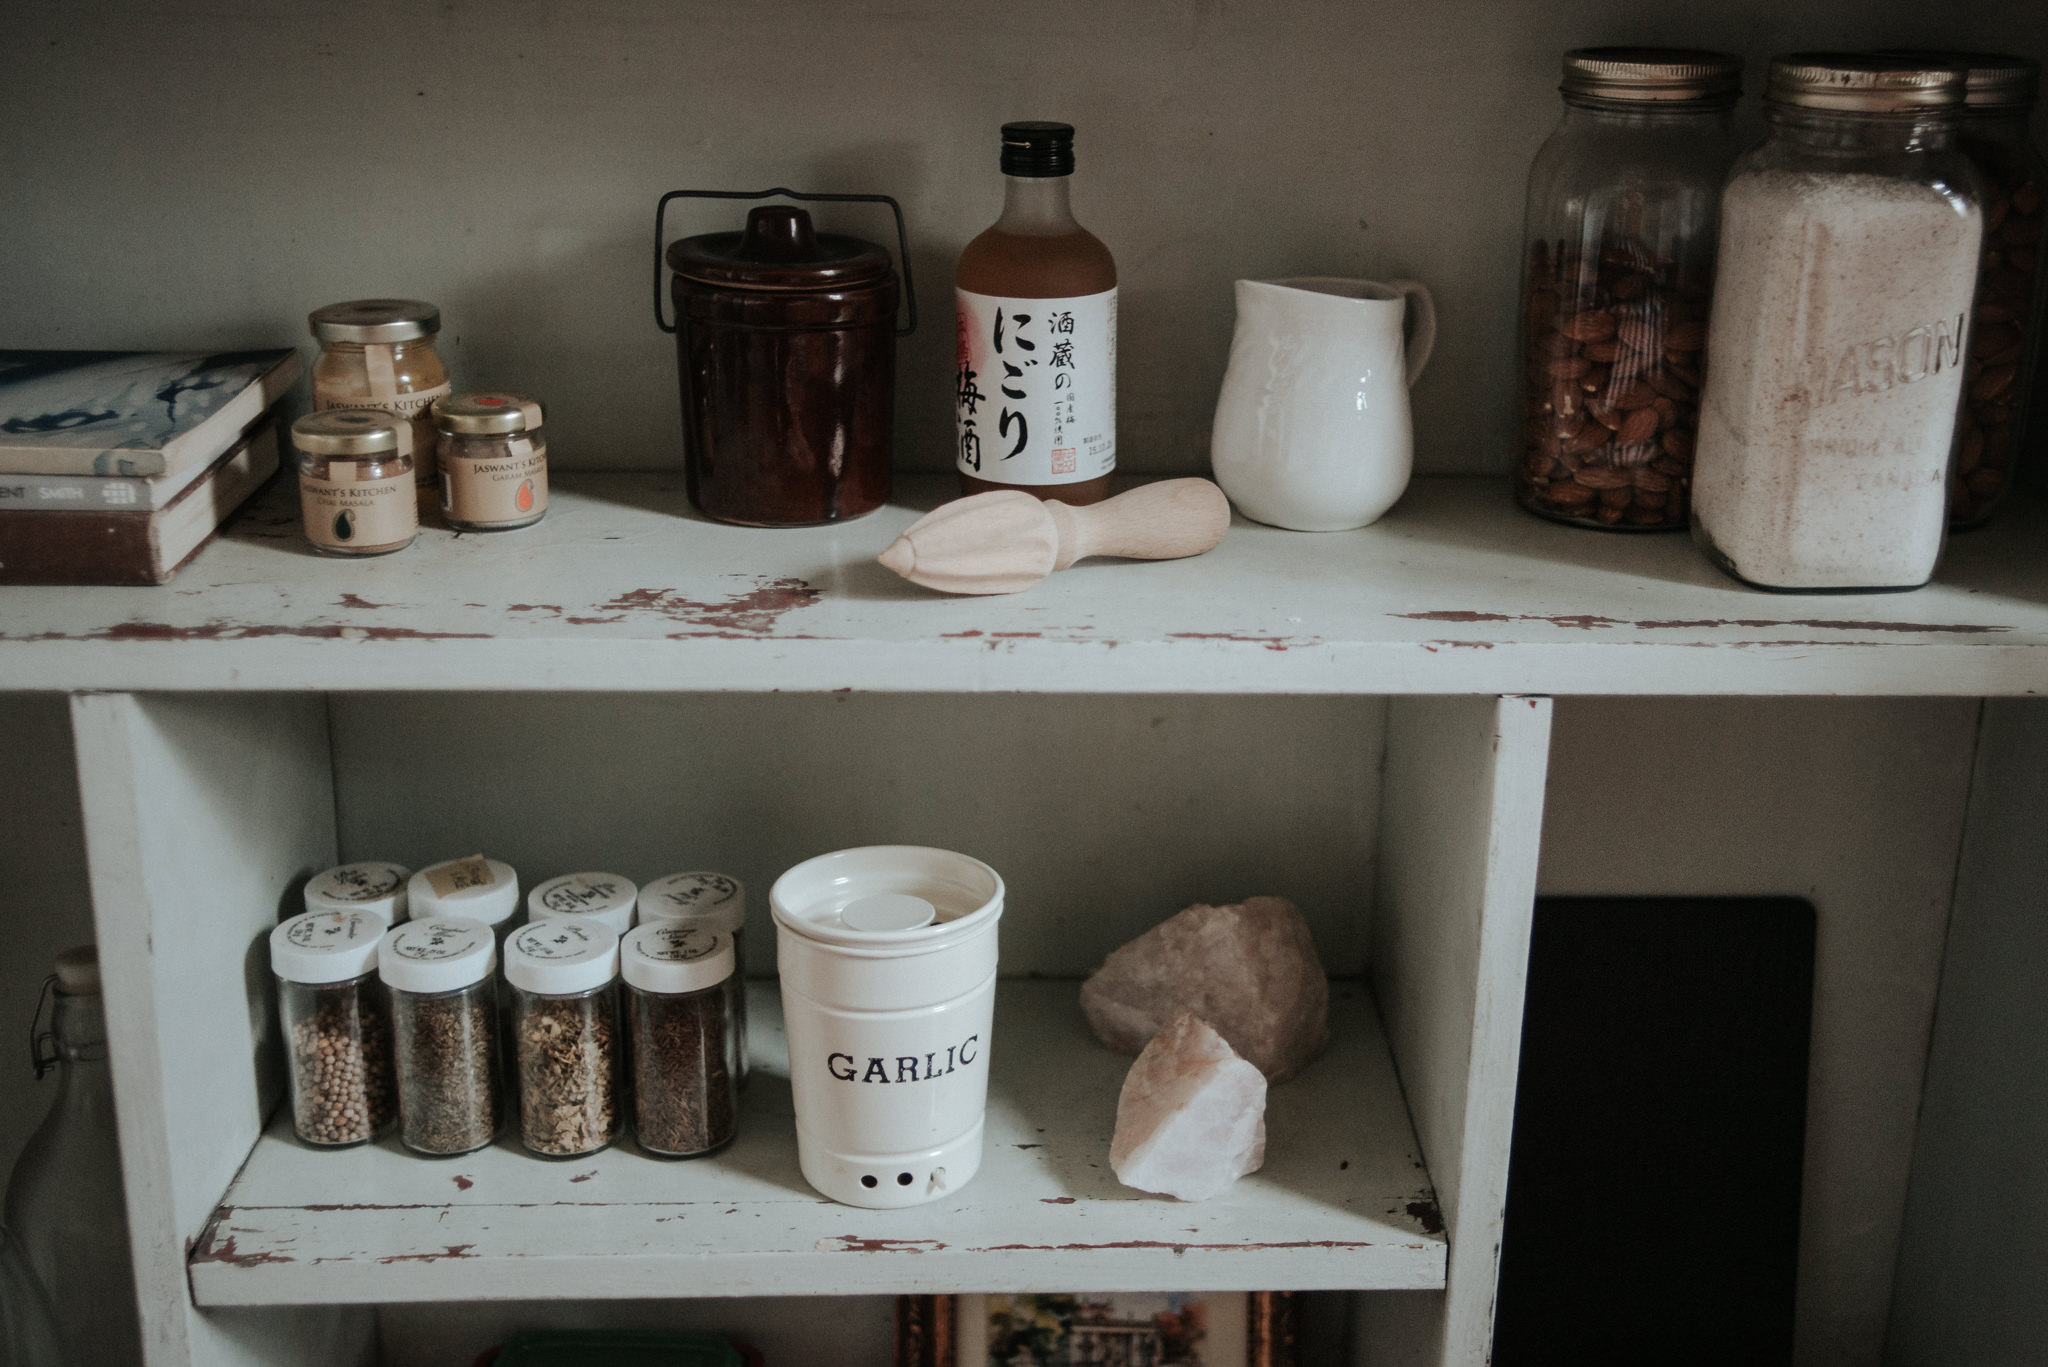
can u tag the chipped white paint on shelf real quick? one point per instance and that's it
(623, 588)
(1343, 1200)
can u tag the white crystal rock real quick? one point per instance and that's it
(1192, 1115)
(1250, 970)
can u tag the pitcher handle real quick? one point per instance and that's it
(1419, 345)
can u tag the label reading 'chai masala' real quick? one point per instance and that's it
(351, 514)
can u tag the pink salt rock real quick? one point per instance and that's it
(1192, 1115)
(1250, 970)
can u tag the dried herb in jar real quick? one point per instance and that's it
(680, 983)
(442, 974)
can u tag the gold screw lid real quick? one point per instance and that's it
(1864, 83)
(1997, 80)
(478, 415)
(352, 432)
(1664, 75)
(375, 320)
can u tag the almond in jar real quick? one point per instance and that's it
(379, 353)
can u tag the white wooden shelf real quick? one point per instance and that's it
(622, 588)
(1343, 1200)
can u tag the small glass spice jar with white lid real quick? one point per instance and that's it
(713, 901)
(355, 482)
(442, 975)
(379, 354)
(493, 460)
(679, 1001)
(568, 1045)
(375, 886)
(336, 1029)
(599, 899)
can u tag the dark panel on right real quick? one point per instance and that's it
(1660, 1118)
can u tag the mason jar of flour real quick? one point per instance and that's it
(1841, 318)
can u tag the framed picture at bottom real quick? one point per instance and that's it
(1097, 1329)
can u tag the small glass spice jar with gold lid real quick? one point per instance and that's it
(494, 461)
(356, 481)
(379, 353)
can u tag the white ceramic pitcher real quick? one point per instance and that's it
(1312, 428)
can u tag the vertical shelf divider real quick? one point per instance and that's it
(202, 814)
(1461, 826)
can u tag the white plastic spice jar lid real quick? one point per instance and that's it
(326, 946)
(668, 957)
(557, 957)
(373, 885)
(713, 900)
(441, 954)
(603, 899)
(477, 888)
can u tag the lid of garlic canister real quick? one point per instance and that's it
(713, 900)
(478, 888)
(376, 886)
(889, 899)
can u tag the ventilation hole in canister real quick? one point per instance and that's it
(904, 1179)
(868, 1180)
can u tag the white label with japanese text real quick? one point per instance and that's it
(1035, 390)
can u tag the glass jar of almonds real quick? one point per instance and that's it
(1617, 274)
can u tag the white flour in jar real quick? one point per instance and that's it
(1839, 322)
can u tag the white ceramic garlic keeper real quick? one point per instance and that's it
(1312, 425)
(888, 965)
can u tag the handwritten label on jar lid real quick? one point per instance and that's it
(360, 882)
(328, 932)
(698, 889)
(680, 944)
(562, 940)
(459, 875)
(431, 941)
(579, 892)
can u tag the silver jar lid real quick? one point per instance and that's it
(1998, 81)
(1653, 74)
(352, 432)
(375, 320)
(1863, 83)
(478, 415)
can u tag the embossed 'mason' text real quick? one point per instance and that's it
(1884, 363)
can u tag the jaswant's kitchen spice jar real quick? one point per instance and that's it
(379, 354)
(442, 974)
(355, 483)
(494, 461)
(569, 1050)
(337, 1031)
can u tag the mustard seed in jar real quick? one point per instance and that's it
(494, 461)
(337, 1035)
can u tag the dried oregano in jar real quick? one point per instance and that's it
(566, 1036)
(337, 1037)
(1616, 285)
(442, 976)
(680, 989)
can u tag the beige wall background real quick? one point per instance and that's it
(201, 174)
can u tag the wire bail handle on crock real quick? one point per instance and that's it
(902, 239)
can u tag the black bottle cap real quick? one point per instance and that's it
(1038, 149)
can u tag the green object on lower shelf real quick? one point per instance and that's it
(618, 1348)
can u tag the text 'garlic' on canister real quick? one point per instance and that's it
(713, 901)
(599, 899)
(355, 482)
(337, 1031)
(888, 966)
(680, 991)
(1848, 260)
(493, 459)
(567, 1045)
(378, 354)
(442, 975)
(372, 885)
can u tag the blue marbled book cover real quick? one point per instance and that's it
(132, 412)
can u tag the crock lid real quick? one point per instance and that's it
(375, 320)
(326, 946)
(437, 955)
(471, 415)
(1662, 75)
(603, 899)
(671, 957)
(556, 957)
(373, 885)
(78, 971)
(1863, 83)
(780, 251)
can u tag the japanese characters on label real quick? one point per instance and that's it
(1035, 392)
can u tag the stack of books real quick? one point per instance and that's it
(117, 466)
